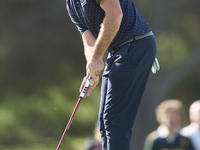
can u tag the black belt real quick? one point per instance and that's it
(137, 37)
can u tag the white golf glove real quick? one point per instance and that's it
(155, 67)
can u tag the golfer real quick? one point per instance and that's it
(115, 26)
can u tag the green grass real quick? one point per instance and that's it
(67, 144)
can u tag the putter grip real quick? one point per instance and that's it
(87, 83)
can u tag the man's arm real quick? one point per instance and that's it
(88, 42)
(109, 27)
(108, 30)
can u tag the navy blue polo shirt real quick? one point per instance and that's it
(88, 15)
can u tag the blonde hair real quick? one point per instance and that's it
(170, 103)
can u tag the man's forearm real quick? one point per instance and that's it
(109, 27)
(107, 33)
(88, 42)
(108, 30)
(88, 53)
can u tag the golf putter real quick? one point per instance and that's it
(75, 109)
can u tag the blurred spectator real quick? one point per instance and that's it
(193, 130)
(95, 143)
(169, 115)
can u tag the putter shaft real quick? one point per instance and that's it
(69, 123)
(75, 109)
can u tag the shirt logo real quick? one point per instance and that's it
(83, 2)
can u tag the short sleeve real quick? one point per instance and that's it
(81, 28)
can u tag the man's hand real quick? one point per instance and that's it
(91, 87)
(94, 67)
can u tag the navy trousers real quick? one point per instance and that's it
(123, 83)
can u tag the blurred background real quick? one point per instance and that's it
(42, 65)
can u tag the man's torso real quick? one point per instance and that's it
(87, 14)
